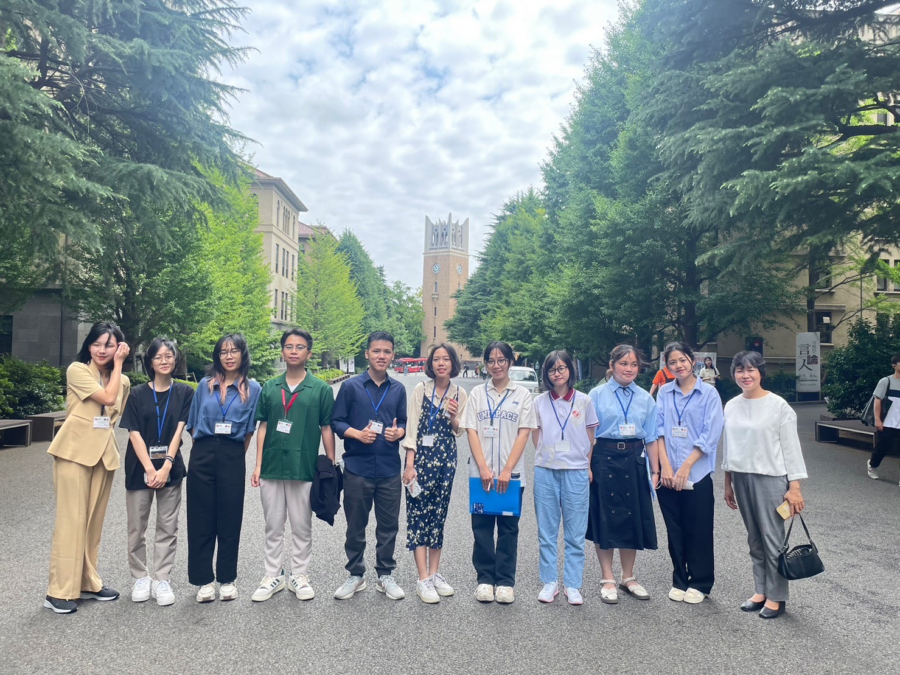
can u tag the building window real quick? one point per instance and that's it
(277, 255)
(435, 310)
(435, 287)
(293, 265)
(824, 326)
(435, 331)
(6, 334)
(275, 304)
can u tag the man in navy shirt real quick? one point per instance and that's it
(370, 415)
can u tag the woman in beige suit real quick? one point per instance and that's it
(85, 457)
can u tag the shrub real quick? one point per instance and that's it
(329, 374)
(30, 388)
(137, 378)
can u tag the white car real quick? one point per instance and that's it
(527, 377)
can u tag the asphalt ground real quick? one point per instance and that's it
(843, 621)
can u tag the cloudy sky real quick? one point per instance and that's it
(378, 113)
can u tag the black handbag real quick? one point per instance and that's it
(800, 562)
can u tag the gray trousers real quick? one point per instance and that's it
(359, 494)
(283, 499)
(758, 496)
(137, 506)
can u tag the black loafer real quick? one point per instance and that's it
(750, 606)
(766, 613)
(60, 606)
(104, 594)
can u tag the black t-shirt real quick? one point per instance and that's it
(141, 415)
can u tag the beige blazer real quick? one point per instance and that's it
(78, 441)
(415, 403)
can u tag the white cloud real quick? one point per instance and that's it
(378, 113)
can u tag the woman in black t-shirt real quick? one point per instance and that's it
(155, 416)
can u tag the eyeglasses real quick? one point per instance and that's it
(295, 348)
(498, 362)
(558, 371)
(163, 359)
(230, 352)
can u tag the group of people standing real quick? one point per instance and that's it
(600, 461)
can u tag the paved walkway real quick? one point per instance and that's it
(843, 621)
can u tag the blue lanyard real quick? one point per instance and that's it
(562, 425)
(681, 412)
(160, 422)
(630, 401)
(378, 407)
(493, 412)
(225, 409)
(434, 411)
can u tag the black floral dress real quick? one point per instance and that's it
(435, 469)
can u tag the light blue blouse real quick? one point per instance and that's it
(206, 410)
(612, 400)
(701, 412)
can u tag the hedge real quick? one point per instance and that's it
(30, 388)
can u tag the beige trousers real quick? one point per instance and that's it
(168, 505)
(280, 499)
(82, 494)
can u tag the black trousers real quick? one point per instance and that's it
(689, 521)
(359, 495)
(495, 564)
(887, 444)
(215, 508)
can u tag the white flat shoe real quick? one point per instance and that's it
(608, 595)
(676, 594)
(694, 597)
(636, 590)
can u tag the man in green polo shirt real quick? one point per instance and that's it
(294, 412)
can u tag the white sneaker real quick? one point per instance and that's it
(505, 595)
(484, 593)
(207, 593)
(573, 595)
(548, 592)
(873, 473)
(300, 586)
(443, 589)
(140, 592)
(268, 587)
(676, 594)
(228, 591)
(350, 587)
(426, 591)
(387, 584)
(694, 597)
(163, 593)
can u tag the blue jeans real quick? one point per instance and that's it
(561, 493)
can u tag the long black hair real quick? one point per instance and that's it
(153, 350)
(216, 372)
(97, 331)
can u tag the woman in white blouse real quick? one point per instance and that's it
(763, 467)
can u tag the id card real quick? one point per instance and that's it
(284, 426)
(147, 482)
(562, 447)
(627, 430)
(428, 441)
(223, 427)
(101, 422)
(377, 427)
(490, 432)
(158, 451)
(679, 432)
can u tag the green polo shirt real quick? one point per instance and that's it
(293, 456)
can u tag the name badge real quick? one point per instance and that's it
(147, 482)
(679, 432)
(627, 430)
(563, 447)
(284, 426)
(101, 422)
(158, 451)
(377, 427)
(489, 431)
(428, 441)
(223, 427)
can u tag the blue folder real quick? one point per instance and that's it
(493, 503)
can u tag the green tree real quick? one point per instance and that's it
(405, 318)
(370, 283)
(326, 302)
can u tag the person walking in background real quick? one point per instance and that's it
(294, 415)
(85, 458)
(689, 427)
(498, 418)
(887, 417)
(156, 416)
(709, 373)
(663, 376)
(221, 424)
(625, 467)
(763, 467)
(432, 427)
(370, 415)
(564, 439)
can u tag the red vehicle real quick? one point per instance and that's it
(408, 365)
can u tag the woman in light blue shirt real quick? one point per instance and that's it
(624, 466)
(690, 424)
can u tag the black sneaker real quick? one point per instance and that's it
(103, 594)
(60, 606)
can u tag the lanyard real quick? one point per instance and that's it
(225, 409)
(432, 415)
(562, 425)
(160, 421)
(287, 406)
(493, 411)
(630, 401)
(378, 407)
(681, 412)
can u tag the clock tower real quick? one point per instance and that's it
(445, 271)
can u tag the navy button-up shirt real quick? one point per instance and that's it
(354, 407)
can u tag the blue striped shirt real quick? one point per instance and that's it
(701, 413)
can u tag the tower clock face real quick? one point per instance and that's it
(435, 268)
(459, 269)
